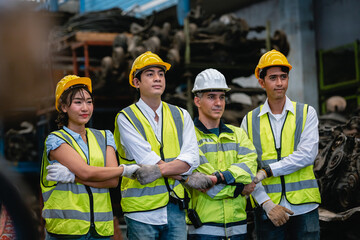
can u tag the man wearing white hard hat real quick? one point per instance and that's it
(228, 157)
(161, 138)
(285, 135)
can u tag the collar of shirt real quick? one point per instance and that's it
(288, 107)
(201, 127)
(75, 135)
(144, 107)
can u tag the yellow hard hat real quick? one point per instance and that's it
(68, 81)
(271, 58)
(146, 59)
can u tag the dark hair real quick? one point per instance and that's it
(263, 71)
(66, 98)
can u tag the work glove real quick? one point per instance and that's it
(261, 175)
(148, 173)
(59, 173)
(276, 213)
(199, 180)
(129, 170)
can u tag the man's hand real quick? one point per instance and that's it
(59, 173)
(199, 181)
(248, 189)
(129, 170)
(261, 175)
(148, 173)
(276, 213)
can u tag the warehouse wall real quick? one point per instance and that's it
(295, 18)
(337, 22)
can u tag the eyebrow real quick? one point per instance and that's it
(152, 70)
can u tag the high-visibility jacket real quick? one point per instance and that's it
(73, 208)
(134, 196)
(299, 187)
(222, 208)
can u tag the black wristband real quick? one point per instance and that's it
(268, 171)
(218, 177)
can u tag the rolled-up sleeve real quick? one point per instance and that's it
(136, 147)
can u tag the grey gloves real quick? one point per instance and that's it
(198, 180)
(129, 170)
(148, 173)
(59, 173)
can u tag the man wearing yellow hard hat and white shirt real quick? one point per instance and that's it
(160, 137)
(285, 135)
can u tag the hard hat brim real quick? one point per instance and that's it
(211, 90)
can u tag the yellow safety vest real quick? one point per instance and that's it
(222, 208)
(134, 196)
(299, 187)
(72, 208)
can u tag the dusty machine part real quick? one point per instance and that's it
(337, 166)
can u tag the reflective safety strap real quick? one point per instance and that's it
(178, 122)
(299, 123)
(73, 214)
(215, 190)
(256, 135)
(101, 141)
(67, 138)
(294, 186)
(136, 121)
(206, 148)
(244, 167)
(146, 191)
(203, 160)
(219, 229)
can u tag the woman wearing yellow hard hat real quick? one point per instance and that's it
(79, 165)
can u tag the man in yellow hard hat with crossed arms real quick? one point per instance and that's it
(160, 137)
(285, 135)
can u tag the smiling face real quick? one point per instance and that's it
(211, 106)
(275, 83)
(80, 109)
(151, 83)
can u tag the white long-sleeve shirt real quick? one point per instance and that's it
(140, 150)
(304, 156)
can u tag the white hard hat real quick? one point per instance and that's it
(210, 79)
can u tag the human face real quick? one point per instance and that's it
(80, 109)
(275, 83)
(211, 105)
(152, 83)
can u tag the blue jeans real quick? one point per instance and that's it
(175, 229)
(300, 227)
(84, 237)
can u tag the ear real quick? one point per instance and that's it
(197, 101)
(261, 82)
(63, 108)
(136, 82)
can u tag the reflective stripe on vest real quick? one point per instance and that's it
(134, 196)
(218, 206)
(299, 187)
(67, 207)
(216, 229)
